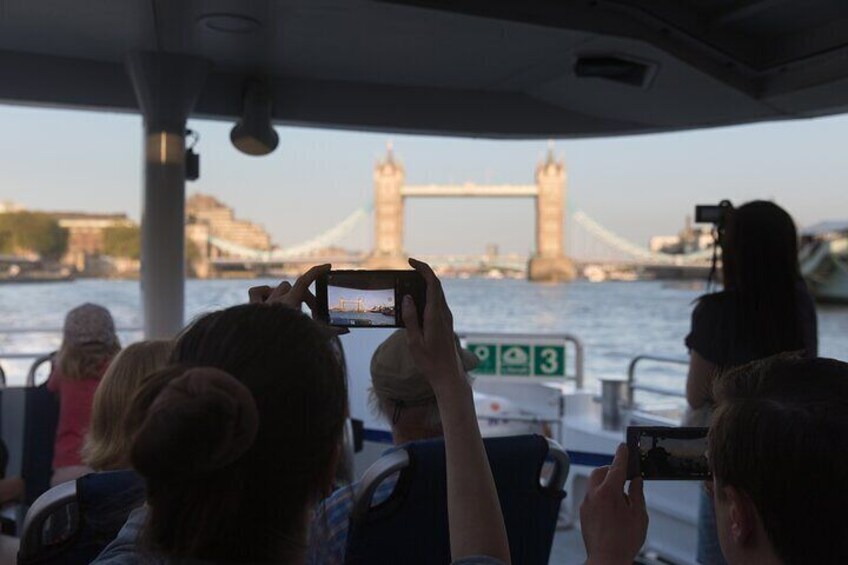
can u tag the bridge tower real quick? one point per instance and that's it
(388, 214)
(549, 263)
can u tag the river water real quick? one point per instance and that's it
(615, 320)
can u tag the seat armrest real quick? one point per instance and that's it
(382, 469)
(44, 506)
(562, 465)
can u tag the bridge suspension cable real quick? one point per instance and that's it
(305, 248)
(629, 248)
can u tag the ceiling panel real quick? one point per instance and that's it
(103, 30)
(466, 67)
(677, 93)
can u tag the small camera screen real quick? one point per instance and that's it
(674, 454)
(361, 302)
(709, 214)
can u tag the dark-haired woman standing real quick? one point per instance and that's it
(764, 309)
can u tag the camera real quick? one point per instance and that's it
(712, 213)
(368, 299)
(667, 453)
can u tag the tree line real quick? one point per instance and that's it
(40, 233)
(32, 232)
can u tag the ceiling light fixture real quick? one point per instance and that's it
(254, 134)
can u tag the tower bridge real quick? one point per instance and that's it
(549, 261)
(358, 303)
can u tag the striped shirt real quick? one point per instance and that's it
(328, 532)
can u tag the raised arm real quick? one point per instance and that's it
(475, 520)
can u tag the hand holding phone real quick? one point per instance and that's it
(614, 527)
(431, 338)
(290, 295)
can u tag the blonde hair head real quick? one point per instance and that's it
(87, 361)
(107, 443)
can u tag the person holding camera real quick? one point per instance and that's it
(778, 451)
(764, 309)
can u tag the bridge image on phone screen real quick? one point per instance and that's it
(349, 306)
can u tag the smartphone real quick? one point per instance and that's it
(667, 453)
(368, 299)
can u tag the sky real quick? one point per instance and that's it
(636, 186)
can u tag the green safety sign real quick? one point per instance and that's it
(519, 359)
(549, 361)
(488, 355)
(515, 359)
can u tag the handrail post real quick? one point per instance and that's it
(632, 385)
(631, 379)
(578, 359)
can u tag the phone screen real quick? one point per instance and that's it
(668, 453)
(368, 299)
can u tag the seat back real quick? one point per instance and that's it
(41, 417)
(73, 522)
(411, 526)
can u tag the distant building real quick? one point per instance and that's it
(659, 243)
(207, 217)
(86, 234)
(689, 240)
(8, 206)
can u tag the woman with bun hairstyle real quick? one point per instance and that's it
(238, 449)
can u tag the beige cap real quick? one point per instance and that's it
(89, 323)
(395, 377)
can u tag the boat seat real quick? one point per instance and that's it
(73, 522)
(411, 526)
(41, 418)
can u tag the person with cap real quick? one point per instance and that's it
(89, 343)
(401, 395)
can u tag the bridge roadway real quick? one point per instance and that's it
(509, 262)
(470, 189)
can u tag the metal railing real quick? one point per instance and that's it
(634, 385)
(39, 357)
(48, 330)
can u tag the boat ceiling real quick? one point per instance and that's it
(488, 68)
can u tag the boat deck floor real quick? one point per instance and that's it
(568, 548)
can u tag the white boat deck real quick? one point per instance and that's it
(568, 548)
